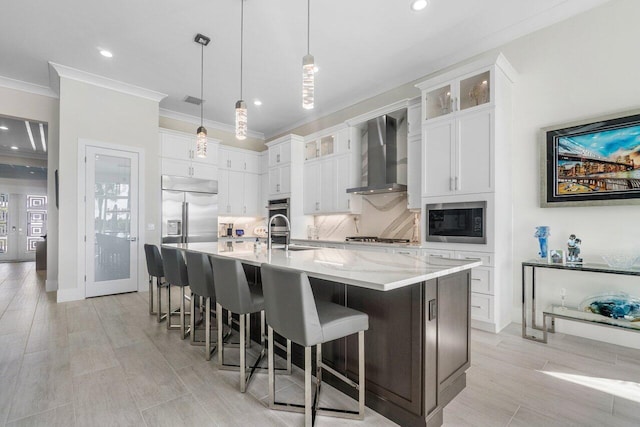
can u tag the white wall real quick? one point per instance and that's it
(99, 114)
(27, 105)
(586, 66)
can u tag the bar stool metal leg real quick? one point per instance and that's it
(151, 311)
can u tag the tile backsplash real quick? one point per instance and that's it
(383, 215)
(248, 224)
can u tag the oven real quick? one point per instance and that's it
(457, 222)
(279, 231)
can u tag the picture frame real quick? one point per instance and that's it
(557, 256)
(591, 162)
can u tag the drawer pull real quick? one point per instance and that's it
(474, 278)
(476, 306)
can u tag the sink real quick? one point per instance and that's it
(298, 248)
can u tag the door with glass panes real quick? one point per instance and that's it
(23, 219)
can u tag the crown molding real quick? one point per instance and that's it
(188, 118)
(27, 87)
(100, 81)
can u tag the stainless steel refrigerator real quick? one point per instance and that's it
(189, 210)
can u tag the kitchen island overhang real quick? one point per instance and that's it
(417, 346)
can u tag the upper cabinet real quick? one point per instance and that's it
(458, 95)
(332, 164)
(285, 167)
(465, 128)
(178, 156)
(239, 182)
(237, 159)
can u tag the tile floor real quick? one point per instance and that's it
(105, 361)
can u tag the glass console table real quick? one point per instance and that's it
(566, 313)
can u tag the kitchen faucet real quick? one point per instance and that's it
(286, 220)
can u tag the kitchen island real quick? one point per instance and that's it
(417, 345)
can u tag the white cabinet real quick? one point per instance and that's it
(459, 94)
(280, 154)
(178, 156)
(280, 181)
(414, 157)
(239, 160)
(238, 193)
(238, 183)
(457, 155)
(332, 165)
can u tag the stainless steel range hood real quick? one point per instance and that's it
(381, 172)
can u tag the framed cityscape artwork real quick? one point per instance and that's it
(591, 162)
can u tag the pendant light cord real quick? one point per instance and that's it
(241, 42)
(201, 84)
(308, 24)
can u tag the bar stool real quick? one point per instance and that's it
(293, 313)
(235, 295)
(201, 283)
(175, 271)
(154, 267)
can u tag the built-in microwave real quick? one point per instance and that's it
(457, 222)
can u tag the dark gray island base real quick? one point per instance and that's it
(419, 307)
(417, 346)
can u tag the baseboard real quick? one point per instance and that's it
(74, 294)
(51, 285)
(484, 326)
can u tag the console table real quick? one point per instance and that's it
(567, 313)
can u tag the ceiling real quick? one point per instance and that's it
(16, 135)
(362, 47)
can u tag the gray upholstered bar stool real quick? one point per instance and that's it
(201, 284)
(294, 314)
(175, 271)
(235, 295)
(155, 270)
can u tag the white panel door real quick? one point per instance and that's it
(236, 192)
(274, 181)
(174, 167)
(111, 178)
(311, 186)
(328, 184)
(204, 171)
(285, 179)
(437, 155)
(223, 192)
(252, 195)
(475, 152)
(344, 174)
(175, 146)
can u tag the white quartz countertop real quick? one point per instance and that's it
(377, 271)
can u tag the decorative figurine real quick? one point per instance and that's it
(542, 233)
(573, 250)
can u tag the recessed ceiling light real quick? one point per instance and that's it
(257, 102)
(106, 53)
(4, 128)
(417, 5)
(13, 147)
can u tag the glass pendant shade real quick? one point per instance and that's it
(241, 120)
(308, 81)
(201, 142)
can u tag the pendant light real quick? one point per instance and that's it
(241, 106)
(201, 133)
(308, 72)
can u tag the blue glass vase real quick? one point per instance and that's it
(542, 233)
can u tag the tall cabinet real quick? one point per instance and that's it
(178, 156)
(466, 140)
(285, 163)
(238, 182)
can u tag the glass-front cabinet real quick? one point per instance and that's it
(458, 95)
(320, 147)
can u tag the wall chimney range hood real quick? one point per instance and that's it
(381, 171)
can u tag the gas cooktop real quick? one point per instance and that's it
(375, 239)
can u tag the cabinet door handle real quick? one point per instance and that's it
(451, 184)
(457, 183)
(476, 306)
(278, 188)
(348, 203)
(476, 279)
(433, 309)
(277, 158)
(244, 209)
(245, 165)
(348, 144)
(404, 252)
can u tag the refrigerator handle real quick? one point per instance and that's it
(185, 222)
